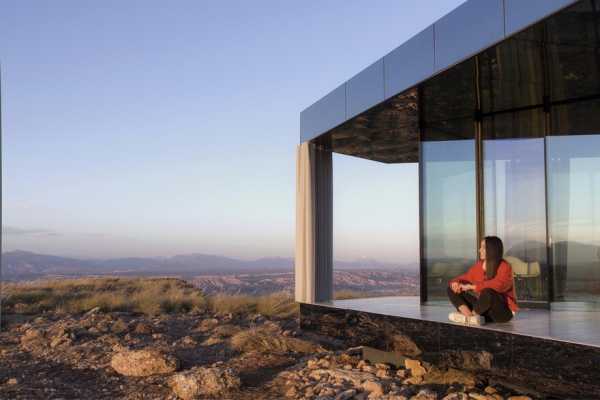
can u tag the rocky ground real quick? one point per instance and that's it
(120, 355)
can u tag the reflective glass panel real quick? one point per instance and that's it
(573, 51)
(574, 216)
(449, 222)
(582, 117)
(449, 95)
(514, 208)
(511, 73)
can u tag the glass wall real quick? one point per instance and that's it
(537, 105)
(514, 209)
(448, 212)
(574, 216)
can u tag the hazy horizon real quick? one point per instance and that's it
(146, 129)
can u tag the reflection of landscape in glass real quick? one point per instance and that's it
(514, 201)
(574, 215)
(449, 223)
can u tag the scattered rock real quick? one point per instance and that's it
(60, 340)
(373, 387)
(188, 341)
(119, 326)
(425, 394)
(479, 396)
(212, 341)
(143, 328)
(456, 396)
(415, 367)
(93, 311)
(291, 393)
(346, 394)
(402, 373)
(383, 374)
(413, 380)
(33, 339)
(143, 362)
(206, 325)
(204, 381)
(225, 331)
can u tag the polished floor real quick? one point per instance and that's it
(582, 327)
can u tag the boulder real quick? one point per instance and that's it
(201, 381)
(143, 362)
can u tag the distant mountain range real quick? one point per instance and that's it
(25, 265)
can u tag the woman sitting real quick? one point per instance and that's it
(485, 293)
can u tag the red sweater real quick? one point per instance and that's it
(502, 283)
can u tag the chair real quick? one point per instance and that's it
(524, 273)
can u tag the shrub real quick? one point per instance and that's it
(265, 341)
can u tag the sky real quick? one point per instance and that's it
(153, 128)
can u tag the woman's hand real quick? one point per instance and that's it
(467, 286)
(455, 287)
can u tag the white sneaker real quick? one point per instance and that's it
(457, 317)
(476, 320)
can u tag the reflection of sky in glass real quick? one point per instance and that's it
(514, 195)
(449, 199)
(574, 188)
(574, 215)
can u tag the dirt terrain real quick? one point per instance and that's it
(225, 350)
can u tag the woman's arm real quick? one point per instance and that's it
(501, 282)
(466, 277)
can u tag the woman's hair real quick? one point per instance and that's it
(494, 250)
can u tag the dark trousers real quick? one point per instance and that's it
(490, 304)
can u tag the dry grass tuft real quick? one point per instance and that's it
(149, 296)
(265, 341)
(279, 304)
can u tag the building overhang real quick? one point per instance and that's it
(374, 114)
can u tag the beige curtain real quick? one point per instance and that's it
(314, 224)
(305, 250)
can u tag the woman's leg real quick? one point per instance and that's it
(493, 306)
(462, 300)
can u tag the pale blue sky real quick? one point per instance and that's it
(157, 128)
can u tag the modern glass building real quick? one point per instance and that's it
(499, 103)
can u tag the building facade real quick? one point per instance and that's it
(499, 103)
